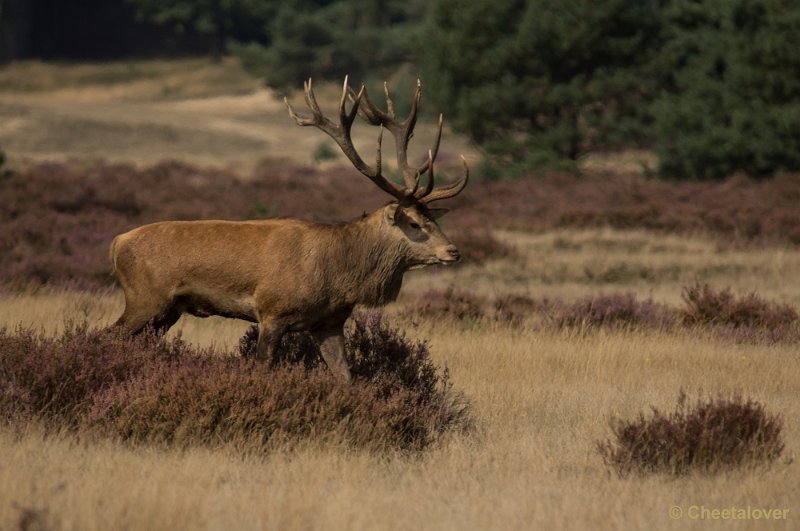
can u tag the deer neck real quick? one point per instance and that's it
(375, 261)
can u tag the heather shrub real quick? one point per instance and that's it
(398, 399)
(612, 310)
(460, 306)
(58, 220)
(375, 351)
(745, 318)
(55, 379)
(704, 305)
(149, 390)
(514, 309)
(212, 401)
(449, 304)
(708, 436)
(478, 246)
(295, 347)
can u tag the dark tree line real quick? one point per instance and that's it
(85, 29)
(713, 85)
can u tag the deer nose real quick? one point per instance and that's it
(452, 251)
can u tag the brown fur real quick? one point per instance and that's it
(285, 274)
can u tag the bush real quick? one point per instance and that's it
(704, 305)
(613, 310)
(480, 246)
(745, 318)
(448, 304)
(709, 436)
(55, 379)
(515, 309)
(149, 390)
(374, 350)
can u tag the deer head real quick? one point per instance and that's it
(409, 216)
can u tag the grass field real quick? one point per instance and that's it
(190, 110)
(542, 398)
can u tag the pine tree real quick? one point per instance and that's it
(535, 81)
(731, 93)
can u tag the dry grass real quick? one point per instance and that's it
(192, 110)
(569, 264)
(541, 400)
(533, 465)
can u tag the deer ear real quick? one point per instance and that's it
(391, 213)
(436, 213)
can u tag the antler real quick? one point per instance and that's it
(401, 131)
(341, 134)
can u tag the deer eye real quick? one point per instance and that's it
(414, 225)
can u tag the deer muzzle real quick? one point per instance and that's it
(449, 255)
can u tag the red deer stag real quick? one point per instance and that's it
(289, 274)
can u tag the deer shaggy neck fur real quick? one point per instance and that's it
(361, 263)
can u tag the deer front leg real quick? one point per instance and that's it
(270, 333)
(331, 346)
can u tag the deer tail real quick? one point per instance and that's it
(112, 255)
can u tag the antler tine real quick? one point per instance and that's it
(389, 102)
(378, 156)
(412, 192)
(311, 101)
(448, 191)
(312, 104)
(429, 169)
(402, 135)
(435, 150)
(346, 117)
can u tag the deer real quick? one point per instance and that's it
(293, 275)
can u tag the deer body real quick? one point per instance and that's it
(288, 274)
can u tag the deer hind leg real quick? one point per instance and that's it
(158, 312)
(331, 346)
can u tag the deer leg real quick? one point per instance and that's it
(331, 346)
(166, 319)
(161, 315)
(270, 333)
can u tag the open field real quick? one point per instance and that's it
(191, 110)
(541, 397)
(541, 400)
